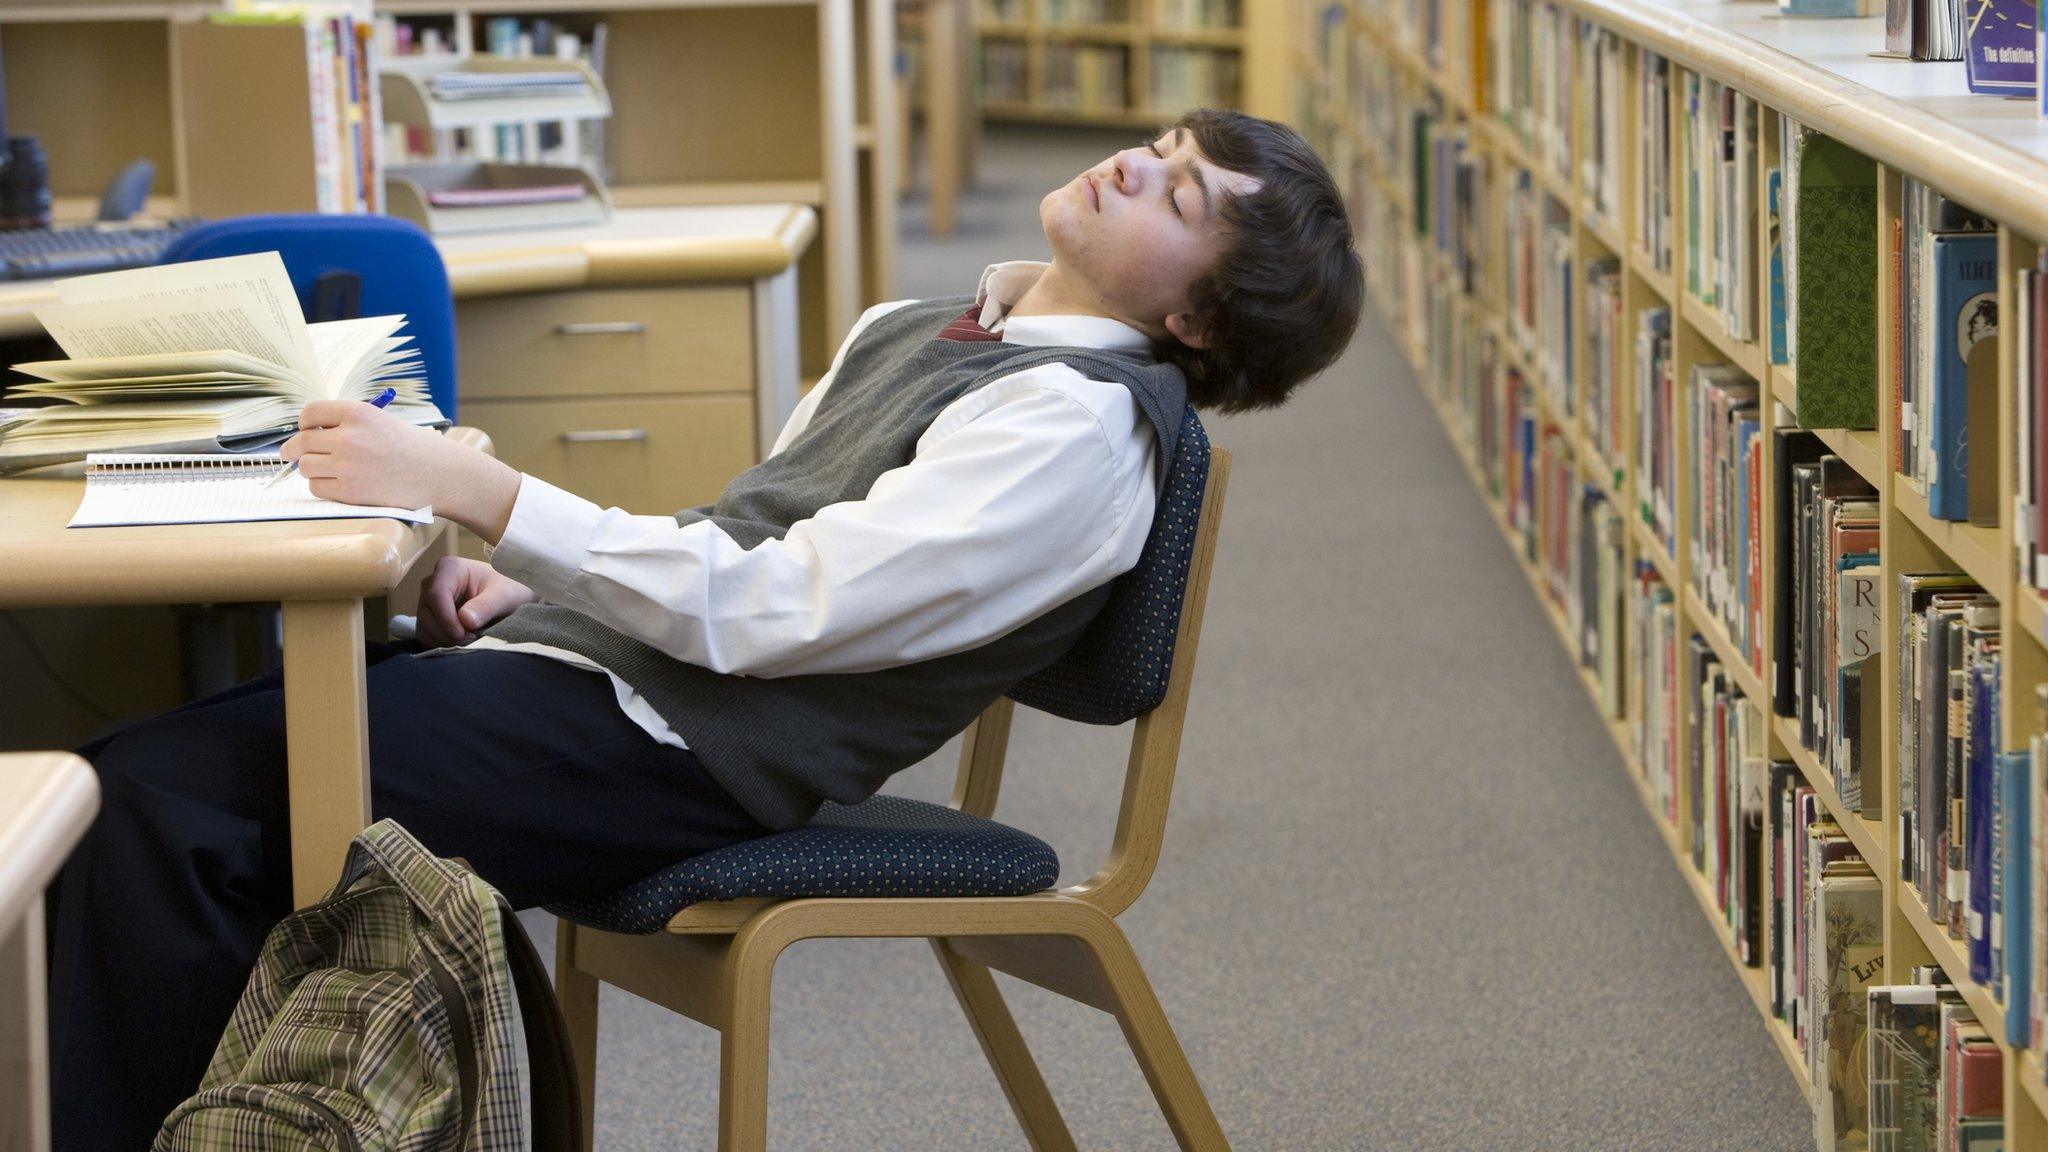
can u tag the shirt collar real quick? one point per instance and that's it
(1003, 284)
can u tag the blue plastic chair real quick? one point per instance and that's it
(394, 265)
(701, 938)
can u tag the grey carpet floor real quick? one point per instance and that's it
(1408, 898)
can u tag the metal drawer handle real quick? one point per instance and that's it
(602, 328)
(604, 436)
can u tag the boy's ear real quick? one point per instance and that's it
(1184, 328)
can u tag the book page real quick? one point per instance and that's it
(131, 488)
(257, 284)
(342, 345)
(227, 319)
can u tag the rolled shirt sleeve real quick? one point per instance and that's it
(1022, 495)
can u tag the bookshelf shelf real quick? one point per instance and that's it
(1949, 953)
(1709, 625)
(1649, 548)
(1644, 266)
(1974, 550)
(1707, 323)
(1408, 108)
(1859, 447)
(1868, 835)
(1606, 233)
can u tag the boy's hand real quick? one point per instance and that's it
(351, 452)
(463, 597)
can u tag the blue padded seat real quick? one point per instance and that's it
(891, 846)
(884, 846)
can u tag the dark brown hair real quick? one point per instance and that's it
(1282, 301)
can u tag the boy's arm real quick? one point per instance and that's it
(1022, 495)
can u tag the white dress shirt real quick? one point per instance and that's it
(1021, 495)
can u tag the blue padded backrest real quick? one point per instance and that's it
(400, 269)
(1118, 669)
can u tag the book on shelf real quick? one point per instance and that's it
(1791, 448)
(1774, 190)
(1924, 29)
(1653, 158)
(211, 355)
(2012, 895)
(1972, 1086)
(1847, 938)
(1834, 286)
(1724, 460)
(1903, 1042)
(1848, 9)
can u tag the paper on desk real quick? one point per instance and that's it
(247, 300)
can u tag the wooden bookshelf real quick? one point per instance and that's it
(1250, 58)
(1353, 97)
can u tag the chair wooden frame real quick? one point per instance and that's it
(715, 961)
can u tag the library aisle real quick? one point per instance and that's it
(1410, 899)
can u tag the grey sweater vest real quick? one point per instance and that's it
(783, 745)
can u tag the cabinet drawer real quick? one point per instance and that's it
(651, 456)
(607, 342)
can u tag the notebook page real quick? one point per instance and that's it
(125, 489)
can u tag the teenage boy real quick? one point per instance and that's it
(614, 693)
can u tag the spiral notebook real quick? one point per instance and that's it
(124, 489)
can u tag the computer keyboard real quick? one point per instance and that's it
(35, 253)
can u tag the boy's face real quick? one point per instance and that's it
(1142, 226)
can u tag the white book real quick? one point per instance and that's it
(211, 354)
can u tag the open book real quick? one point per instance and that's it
(207, 356)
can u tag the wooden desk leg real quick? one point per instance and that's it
(327, 737)
(943, 96)
(24, 1036)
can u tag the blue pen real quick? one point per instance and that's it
(383, 398)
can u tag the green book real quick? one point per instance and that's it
(1836, 349)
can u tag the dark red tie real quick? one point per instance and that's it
(968, 327)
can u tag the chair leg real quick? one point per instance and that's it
(577, 992)
(743, 1052)
(1154, 1044)
(1007, 1054)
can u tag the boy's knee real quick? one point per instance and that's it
(189, 756)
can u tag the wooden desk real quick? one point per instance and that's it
(321, 571)
(541, 314)
(47, 799)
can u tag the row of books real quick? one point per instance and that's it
(1945, 334)
(348, 154)
(1829, 633)
(1529, 72)
(1198, 15)
(1608, 395)
(1539, 285)
(1194, 78)
(1086, 77)
(1718, 152)
(1653, 158)
(1650, 690)
(1725, 463)
(1600, 79)
(1083, 12)
(1003, 72)
(1656, 425)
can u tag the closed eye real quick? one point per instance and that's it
(1170, 201)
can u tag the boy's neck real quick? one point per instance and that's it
(1057, 293)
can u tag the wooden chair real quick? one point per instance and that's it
(714, 959)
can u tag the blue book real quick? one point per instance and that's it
(1999, 48)
(1773, 197)
(1965, 313)
(2017, 896)
(1980, 805)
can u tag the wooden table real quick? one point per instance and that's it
(47, 799)
(320, 571)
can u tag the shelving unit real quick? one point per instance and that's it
(714, 101)
(1357, 61)
(1158, 57)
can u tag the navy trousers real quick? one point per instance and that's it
(523, 766)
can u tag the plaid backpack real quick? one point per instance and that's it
(406, 1011)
